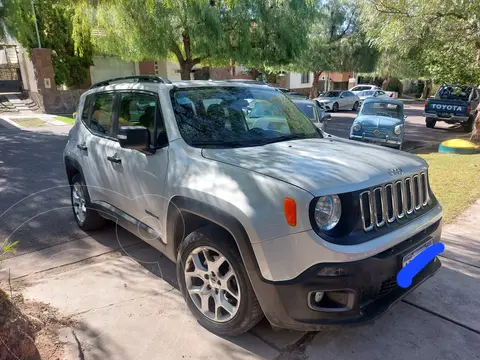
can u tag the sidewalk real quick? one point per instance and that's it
(122, 295)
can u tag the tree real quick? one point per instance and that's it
(444, 35)
(255, 33)
(335, 42)
(441, 36)
(55, 30)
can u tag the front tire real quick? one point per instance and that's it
(87, 218)
(355, 106)
(335, 107)
(430, 123)
(215, 284)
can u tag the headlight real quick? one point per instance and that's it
(398, 129)
(357, 127)
(328, 210)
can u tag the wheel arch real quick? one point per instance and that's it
(185, 215)
(72, 167)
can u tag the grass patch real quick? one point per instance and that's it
(65, 119)
(29, 122)
(455, 181)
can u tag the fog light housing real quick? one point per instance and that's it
(331, 301)
(318, 296)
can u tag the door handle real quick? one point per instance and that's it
(82, 146)
(114, 159)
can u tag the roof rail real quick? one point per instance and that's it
(138, 78)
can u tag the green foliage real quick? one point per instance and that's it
(440, 38)
(335, 42)
(55, 25)
(394, 84)
(255, 33)
(8, 248)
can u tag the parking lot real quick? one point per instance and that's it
(122, 294)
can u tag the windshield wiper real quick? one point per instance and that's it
(286, 138)
(220, 143)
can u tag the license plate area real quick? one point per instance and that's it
(407, 259)
(445, 115)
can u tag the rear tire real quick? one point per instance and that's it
(430, 123)
(204, 247)
(87, 218)
(355, 106)
(468, 126)
(335, 107)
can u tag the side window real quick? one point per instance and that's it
(101, 119)
(139, 109)
(86, 108)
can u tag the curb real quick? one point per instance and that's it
(9, 124)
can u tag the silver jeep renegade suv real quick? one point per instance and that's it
(264, 214)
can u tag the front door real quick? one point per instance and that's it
(98, 145)
(143, 174)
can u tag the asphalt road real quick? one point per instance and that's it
(416, 133)
(34, 194)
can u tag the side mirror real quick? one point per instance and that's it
(342, 96)
(74, 115)
(327, 117)
(136, 138)
(404, 117)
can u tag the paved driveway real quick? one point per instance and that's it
(124, 297)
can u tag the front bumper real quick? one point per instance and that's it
(370, 285)
(451, 119)
(386, 140)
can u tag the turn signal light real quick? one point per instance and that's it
(290, 209)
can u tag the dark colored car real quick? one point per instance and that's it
(453, 104)
(314, 111)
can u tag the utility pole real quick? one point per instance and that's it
(36, 25)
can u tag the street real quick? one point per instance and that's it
(123, 294)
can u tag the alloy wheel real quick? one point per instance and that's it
(212, 284)
(79, 202)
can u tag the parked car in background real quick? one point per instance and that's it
(453, 104)
(339, 100)
(293, 94)
(363, 95)
(364, 87)
(314, 111)
(380, 120)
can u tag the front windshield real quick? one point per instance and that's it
(382, 109)
(307, 109)
(238, 116)
(331, 94)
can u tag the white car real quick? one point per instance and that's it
(371, 94)
(364, 87)
(262, 213)
(339, 100)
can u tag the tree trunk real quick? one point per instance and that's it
(185, 70)
(475, 137)
(232, 68)
(314, 89)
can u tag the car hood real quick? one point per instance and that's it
(327, 99)
(372, 121)
(321, 166)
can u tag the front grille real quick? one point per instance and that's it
(392, 201)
